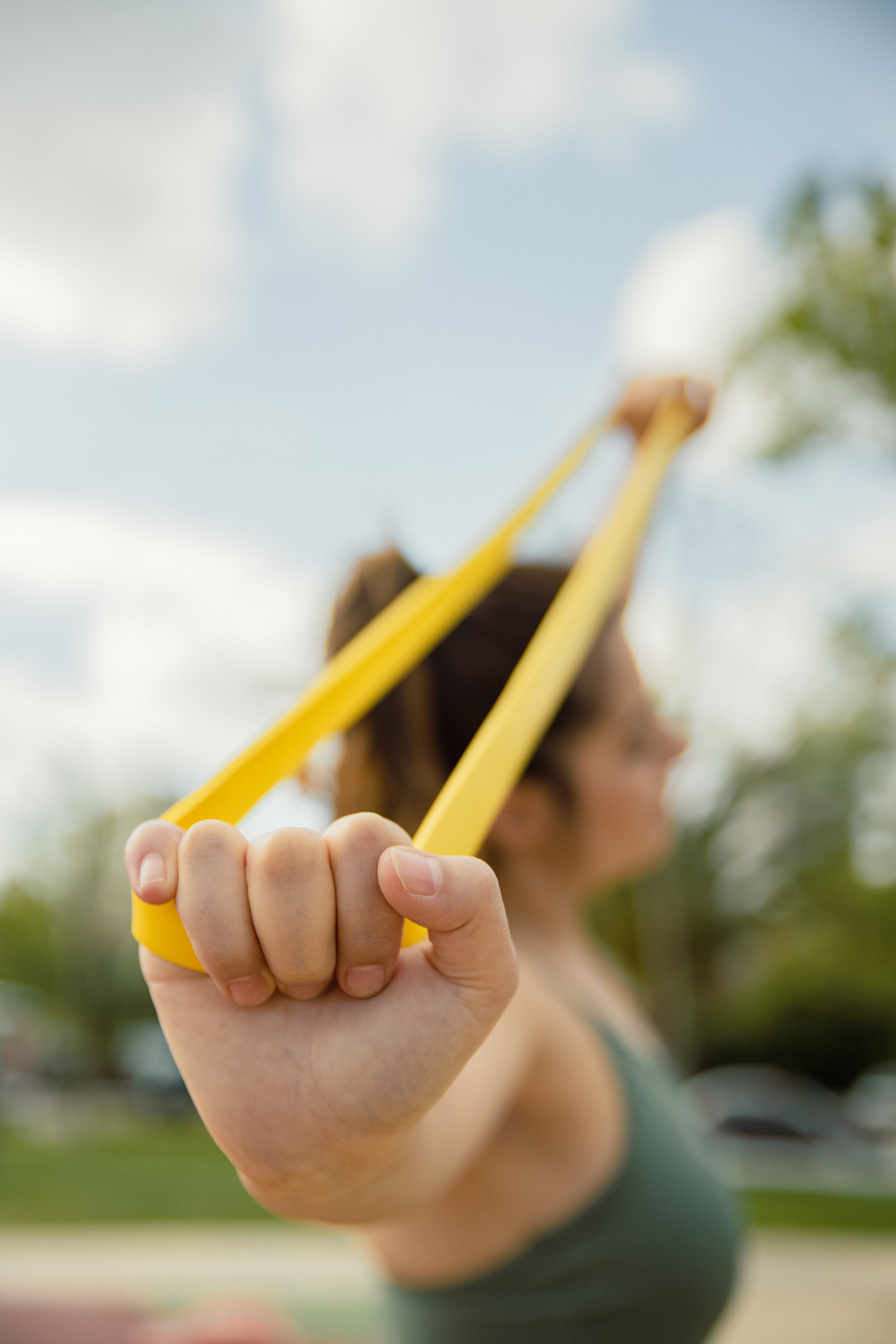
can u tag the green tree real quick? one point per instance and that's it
(65, 932)
(827, 350)
(771, 934)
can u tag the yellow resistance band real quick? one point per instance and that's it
(390, 645)
(351, 682)
(462, 815)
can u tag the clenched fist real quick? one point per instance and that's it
(643, 397)
(315, 1047)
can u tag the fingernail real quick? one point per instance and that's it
(418, 873)
(152, 871)
(248, 991)
(365, 980)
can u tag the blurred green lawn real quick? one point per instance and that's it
(173, 1171)
(161, 1171)
(807, 1210)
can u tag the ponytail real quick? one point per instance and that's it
(396, 759)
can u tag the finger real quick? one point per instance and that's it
(458, 900)
(293, 903)
(150, 857)
(368, 929)
(699, 395)
(637, 403)
(213, 903)
(643, 397)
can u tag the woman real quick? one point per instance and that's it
(492, 1112)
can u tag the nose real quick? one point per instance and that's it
(674, 741)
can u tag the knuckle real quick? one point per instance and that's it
(211, 841)
(507, 975)
(286, 856)
(481, 879)
(365, 833)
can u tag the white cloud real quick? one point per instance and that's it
(740, 670)
(693, 294)
(742, 673)
(121, 136)
(373, 96)
(124, 131)
(163, 650)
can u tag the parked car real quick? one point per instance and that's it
(871, 1101)
(144, 1059)
(770, 1128)
(759, 1102)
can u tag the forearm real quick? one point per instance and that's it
(341, 1187)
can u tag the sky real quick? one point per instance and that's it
(283, 279)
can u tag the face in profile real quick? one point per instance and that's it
(614, 824)
(618, 768)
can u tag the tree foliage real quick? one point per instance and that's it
(65, 932)
(771, 935)
(828, 348)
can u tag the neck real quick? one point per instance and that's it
(543, 906)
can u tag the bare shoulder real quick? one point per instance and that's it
(572, 1087)
(592, 984)
(556, 1142)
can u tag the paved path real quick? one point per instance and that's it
(158, 1262)
(797, 1289)
(815, 1289)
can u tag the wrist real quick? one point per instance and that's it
(335, 1185)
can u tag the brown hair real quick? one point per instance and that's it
(397, 757)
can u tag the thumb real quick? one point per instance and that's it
(459, 901)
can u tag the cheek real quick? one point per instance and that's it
(627, 820)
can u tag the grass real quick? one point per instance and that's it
(172, 1171)
(807, 1210)
(162, 1171)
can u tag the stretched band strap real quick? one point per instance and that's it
(351, 682)
(390, 645)
(462, 815)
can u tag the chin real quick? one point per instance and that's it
(638, 863)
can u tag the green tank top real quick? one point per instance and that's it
(651, 1260)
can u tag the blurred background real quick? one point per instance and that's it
(284, 280)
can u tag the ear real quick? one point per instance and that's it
(526, 819)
